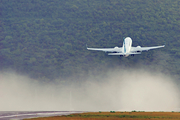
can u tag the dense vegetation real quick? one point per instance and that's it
(47, 39)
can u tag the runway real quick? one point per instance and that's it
(19, 115)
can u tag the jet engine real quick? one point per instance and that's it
(139, 50)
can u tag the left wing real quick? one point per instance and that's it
(115, 49)
(138, 48)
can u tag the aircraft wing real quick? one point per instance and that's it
(138, 48)
(115, 49)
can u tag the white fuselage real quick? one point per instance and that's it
(127, 46)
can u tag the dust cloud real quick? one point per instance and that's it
(123, 90)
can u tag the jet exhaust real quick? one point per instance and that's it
(123, 90)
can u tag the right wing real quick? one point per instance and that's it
(115, 49)
(135, 49)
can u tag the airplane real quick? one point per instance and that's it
(126, 49)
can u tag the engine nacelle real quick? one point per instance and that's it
(139, 50)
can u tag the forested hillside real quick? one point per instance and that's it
(46, 39)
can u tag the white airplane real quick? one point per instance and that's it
(126, 49)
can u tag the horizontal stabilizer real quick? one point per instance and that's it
(124, 54)
(116, 54)
(134, 53)
(115, 49)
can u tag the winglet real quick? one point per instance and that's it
(87, 47)
(164, 44)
